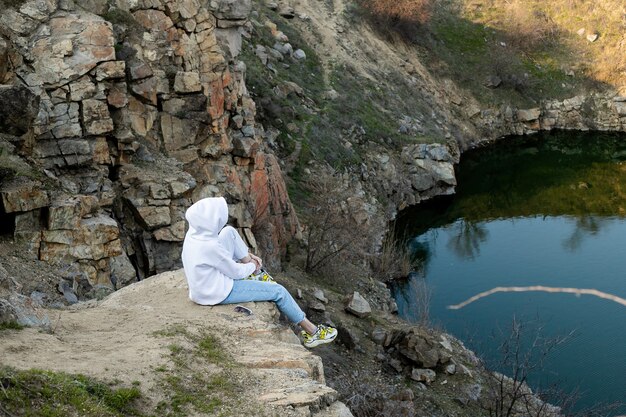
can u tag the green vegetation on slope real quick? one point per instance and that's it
(338, 115)
(10, 325)
(57, 394)
(199, 376)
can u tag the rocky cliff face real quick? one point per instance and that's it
(115, 117)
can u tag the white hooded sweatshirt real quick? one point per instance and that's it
(209, 267)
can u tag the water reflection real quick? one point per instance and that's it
(585, 226)
(466, 239)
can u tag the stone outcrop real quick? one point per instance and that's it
(598, 111)
(133, 115)
(289, 379)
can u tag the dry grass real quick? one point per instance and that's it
(537, 27)
(404, 17)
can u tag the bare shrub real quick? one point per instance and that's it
(404, 17)
(367, 398)
(523, 350)
(334, 224)
(394, 260)
(528, 28)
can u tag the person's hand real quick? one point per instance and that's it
(256, 260)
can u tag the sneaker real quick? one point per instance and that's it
(324, 334)
(261, 276)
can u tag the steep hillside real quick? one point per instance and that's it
(116, 115)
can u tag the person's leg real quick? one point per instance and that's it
(244, 291)
(230, 239)
(308, 327)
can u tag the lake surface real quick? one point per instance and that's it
(548, 212)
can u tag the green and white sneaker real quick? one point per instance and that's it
(324, 334)
(261, 276)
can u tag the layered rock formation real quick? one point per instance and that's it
(124, 119)
(597, 111)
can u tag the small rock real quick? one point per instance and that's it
(299, 54)
(261, 52)
(277, 55)
(99, 292)
(317, 306)
(272, 5)
(68, 292)
(463, 370)
(580, 31)
(287, 12)
(347, 337)
(357, 305)
(299, 294)
(445, 343)
(493, 81)
(331, 95)
(592, 37)
(404, 395)
(473, 392)
(319, 294)
(39, 298)
(420, 386)
(451, 369)
(283, 48)
(379, 335)
(396, 364)
(423, 375)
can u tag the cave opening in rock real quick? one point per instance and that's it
(7, 224)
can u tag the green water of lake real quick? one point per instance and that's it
(543, 211)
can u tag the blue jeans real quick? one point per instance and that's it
(244, 291)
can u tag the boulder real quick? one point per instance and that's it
(319, 295)
(357, 305)
(317, 306)
(379, 335)
(423, 375)
(122, 271)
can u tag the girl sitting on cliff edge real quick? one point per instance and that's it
(217, 263)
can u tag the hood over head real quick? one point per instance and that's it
(207, 217)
